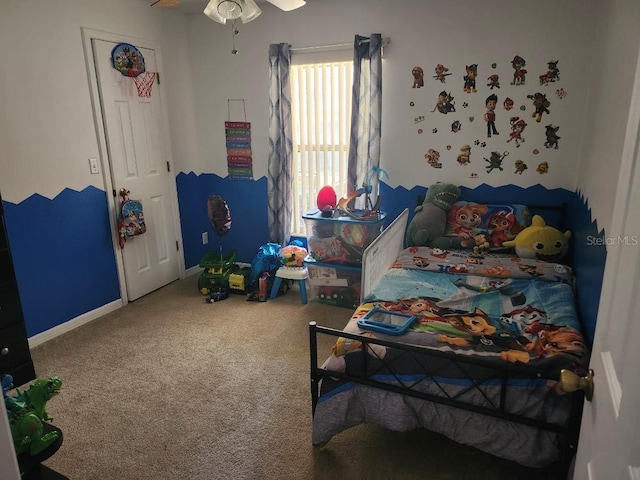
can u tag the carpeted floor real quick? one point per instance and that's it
(170, 387)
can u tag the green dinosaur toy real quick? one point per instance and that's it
(430, 219)
(26, 412)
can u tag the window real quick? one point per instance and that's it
(321, 118)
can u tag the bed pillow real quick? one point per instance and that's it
(489, 225)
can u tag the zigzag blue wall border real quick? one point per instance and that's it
(63, 256)
(65, 264)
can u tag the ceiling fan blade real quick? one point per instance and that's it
(287, 5)
(165, 3)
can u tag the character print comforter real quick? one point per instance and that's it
(495, 307)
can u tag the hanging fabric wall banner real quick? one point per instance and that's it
(238, 137)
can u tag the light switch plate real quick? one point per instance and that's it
(93, 166)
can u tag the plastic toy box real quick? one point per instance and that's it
(217, 269)
(340, 239)
(334, 284)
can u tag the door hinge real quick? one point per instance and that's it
(168, 167)
(158, 77)
(177, 246)
(114, 192)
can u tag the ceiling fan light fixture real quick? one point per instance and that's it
(288, 5)
(223, 10)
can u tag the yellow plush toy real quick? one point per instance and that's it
(540, 241)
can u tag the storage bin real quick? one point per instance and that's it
(340, 239)
(334, 284)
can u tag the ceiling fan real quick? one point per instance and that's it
(245, 10)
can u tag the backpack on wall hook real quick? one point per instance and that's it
(131, 218)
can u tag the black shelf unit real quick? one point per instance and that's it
(15, 357)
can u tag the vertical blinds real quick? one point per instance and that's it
(321, 111)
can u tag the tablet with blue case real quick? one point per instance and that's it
(386, 321)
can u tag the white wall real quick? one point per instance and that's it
(613, 63)
(47, 130)
(421, 33)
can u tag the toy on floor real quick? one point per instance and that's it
(215, 295)
(214, 280)
(26, 412)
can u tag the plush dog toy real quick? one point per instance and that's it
(540, 241)
(430, 219)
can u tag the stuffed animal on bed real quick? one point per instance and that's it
(430, 218)
(540, 241)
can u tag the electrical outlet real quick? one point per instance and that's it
(93, 166)
(205, 238)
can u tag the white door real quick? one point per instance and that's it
(609, 446)
(134, 130)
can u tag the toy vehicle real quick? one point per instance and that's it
(216, 295)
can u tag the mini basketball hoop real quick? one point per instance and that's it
(144, 83)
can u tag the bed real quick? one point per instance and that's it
(480, 364)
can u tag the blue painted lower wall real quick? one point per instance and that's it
(65, 263)
(247, 201)
(63, 256)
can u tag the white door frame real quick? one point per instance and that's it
(87, 35)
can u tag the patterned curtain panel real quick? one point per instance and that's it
(366, 114)
(279, 173)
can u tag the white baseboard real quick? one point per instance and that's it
(40, 338)
(195, 270)
(73, 323)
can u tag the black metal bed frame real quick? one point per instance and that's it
(569, 431)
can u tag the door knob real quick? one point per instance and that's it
(570, 382)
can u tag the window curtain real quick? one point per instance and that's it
(279, 174)
(366, 116)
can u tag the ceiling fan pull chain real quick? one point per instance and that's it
(235, 32)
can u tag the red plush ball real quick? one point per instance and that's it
(327, 198)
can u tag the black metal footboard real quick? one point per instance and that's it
(433, 365)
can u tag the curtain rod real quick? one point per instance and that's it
(335, 46)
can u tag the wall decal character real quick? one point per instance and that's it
(456, 126)
(520, 167)
(470, 78)
(433, 158)
(508, 104)
(551, 132)
(561, 93)
(540, 105)
(464, 157)
(418, 77)
(519, 74)
(495, 161)
(445, 103)
(543, 168)
(551, 75)
(517, 127)
(493, 81)
(441, 73)
(490, 115)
